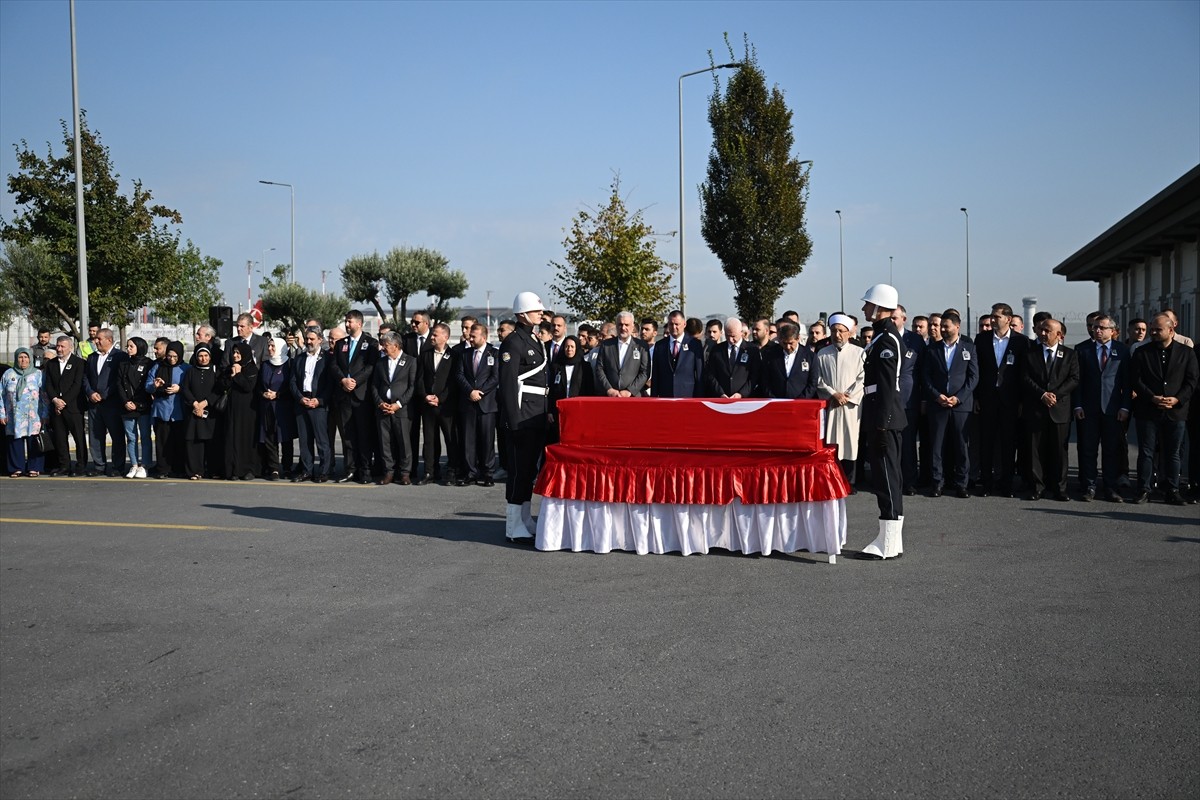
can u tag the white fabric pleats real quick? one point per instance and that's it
(579, 525)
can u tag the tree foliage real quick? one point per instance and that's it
(397, 276)
(753, 203)
(446, 286)
(611, 264)
(28, 273)
(290, 304)
(188, 300)
(132, 252)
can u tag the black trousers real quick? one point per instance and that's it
(69, 423)
(908, 446)
(944, 423)
(1096, 434)
(312, 425)
(1048, 454)
(168, 447)
(477, 433)
(997, 446)
(524, 450)
(434, 421)
(394, 449)
(886, 473)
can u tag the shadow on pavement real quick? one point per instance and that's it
(483, 528)
(1133, 517)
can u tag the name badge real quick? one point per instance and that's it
(637, 355)
(966, 356)
(1060, 354)
(401, 362)
(684, 347)
(745, 358)
(1009, 359)
(804, 366)
(910, 353)
(491, 362)
(558, 379)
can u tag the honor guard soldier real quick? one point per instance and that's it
(883, 418)
(524, 383)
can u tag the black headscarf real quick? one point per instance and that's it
(196, 352)
(140, 344)
(177, 349)
(574, 360)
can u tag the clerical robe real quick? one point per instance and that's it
(841, 370)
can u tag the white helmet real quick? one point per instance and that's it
(527, 301)
(883, 296)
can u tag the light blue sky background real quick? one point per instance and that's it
(480, 129)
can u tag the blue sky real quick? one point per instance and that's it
(480, 129)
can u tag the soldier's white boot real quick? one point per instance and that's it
(889, 542)
(516, 530)
(900, 538)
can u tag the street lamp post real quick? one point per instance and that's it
(967, 223)
(891, 282)
(292, 189)
(841, 262)
(682, 237)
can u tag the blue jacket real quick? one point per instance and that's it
(165, 406)
(682, 377)
(959, 381)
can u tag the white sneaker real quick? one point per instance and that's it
(132, 472)
(140, 472)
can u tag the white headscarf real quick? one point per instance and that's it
(281, 351)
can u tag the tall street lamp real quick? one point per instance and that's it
(841, 262)
(891, 282)
(967, 222)
(682, 237)
(293, 191)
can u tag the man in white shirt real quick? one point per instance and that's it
(623, 363)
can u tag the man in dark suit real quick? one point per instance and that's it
(100, 379)
(478, 376)
(912, 394)
(623, 365)
(677, 364)
(1165, 374)
(436, 387)
(1001, 353)
(1049, 375)
(245, 333)
(787, 367)
(416, 341)
(732, 368)
(63, 382)
(312, 385)
(354, 359)
(1101, 405)
(392, 385)
(950, 372)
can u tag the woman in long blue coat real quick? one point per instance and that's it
(22, 414)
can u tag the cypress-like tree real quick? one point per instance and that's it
(753, 203)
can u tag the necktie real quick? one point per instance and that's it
(553, 350)
(732, 353)
(420, 343)
(353, 347)
(1049, 357)
(1103, 357)
(475, 362)
(674, 348)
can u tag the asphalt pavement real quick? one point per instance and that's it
(254, 639)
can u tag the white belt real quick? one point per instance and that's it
(538, 390)
(870, 389)
(523, 390)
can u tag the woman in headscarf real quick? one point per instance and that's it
(135, 405)
(199, 397)
(276, 414)
(569, 377)
(240, 380)
(22, 414)
(164, 383)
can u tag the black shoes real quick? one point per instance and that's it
(1089, 495)
(1142, 497)
(1175, 499)
(962, 494)
(485, 482)
(301, 478)
(937, 492)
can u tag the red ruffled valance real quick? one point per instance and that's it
(676, 476)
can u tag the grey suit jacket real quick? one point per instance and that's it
(630, 376)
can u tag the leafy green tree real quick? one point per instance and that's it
(409, 271)
(611, 264)
(27, 274)
(188, 300)
(362, 278)
(132, 251)
(753, 203)
(445, 285)
(290, 304)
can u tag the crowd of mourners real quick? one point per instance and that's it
(986, 414)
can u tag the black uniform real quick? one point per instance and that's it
(883, 415)
(523, 413)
